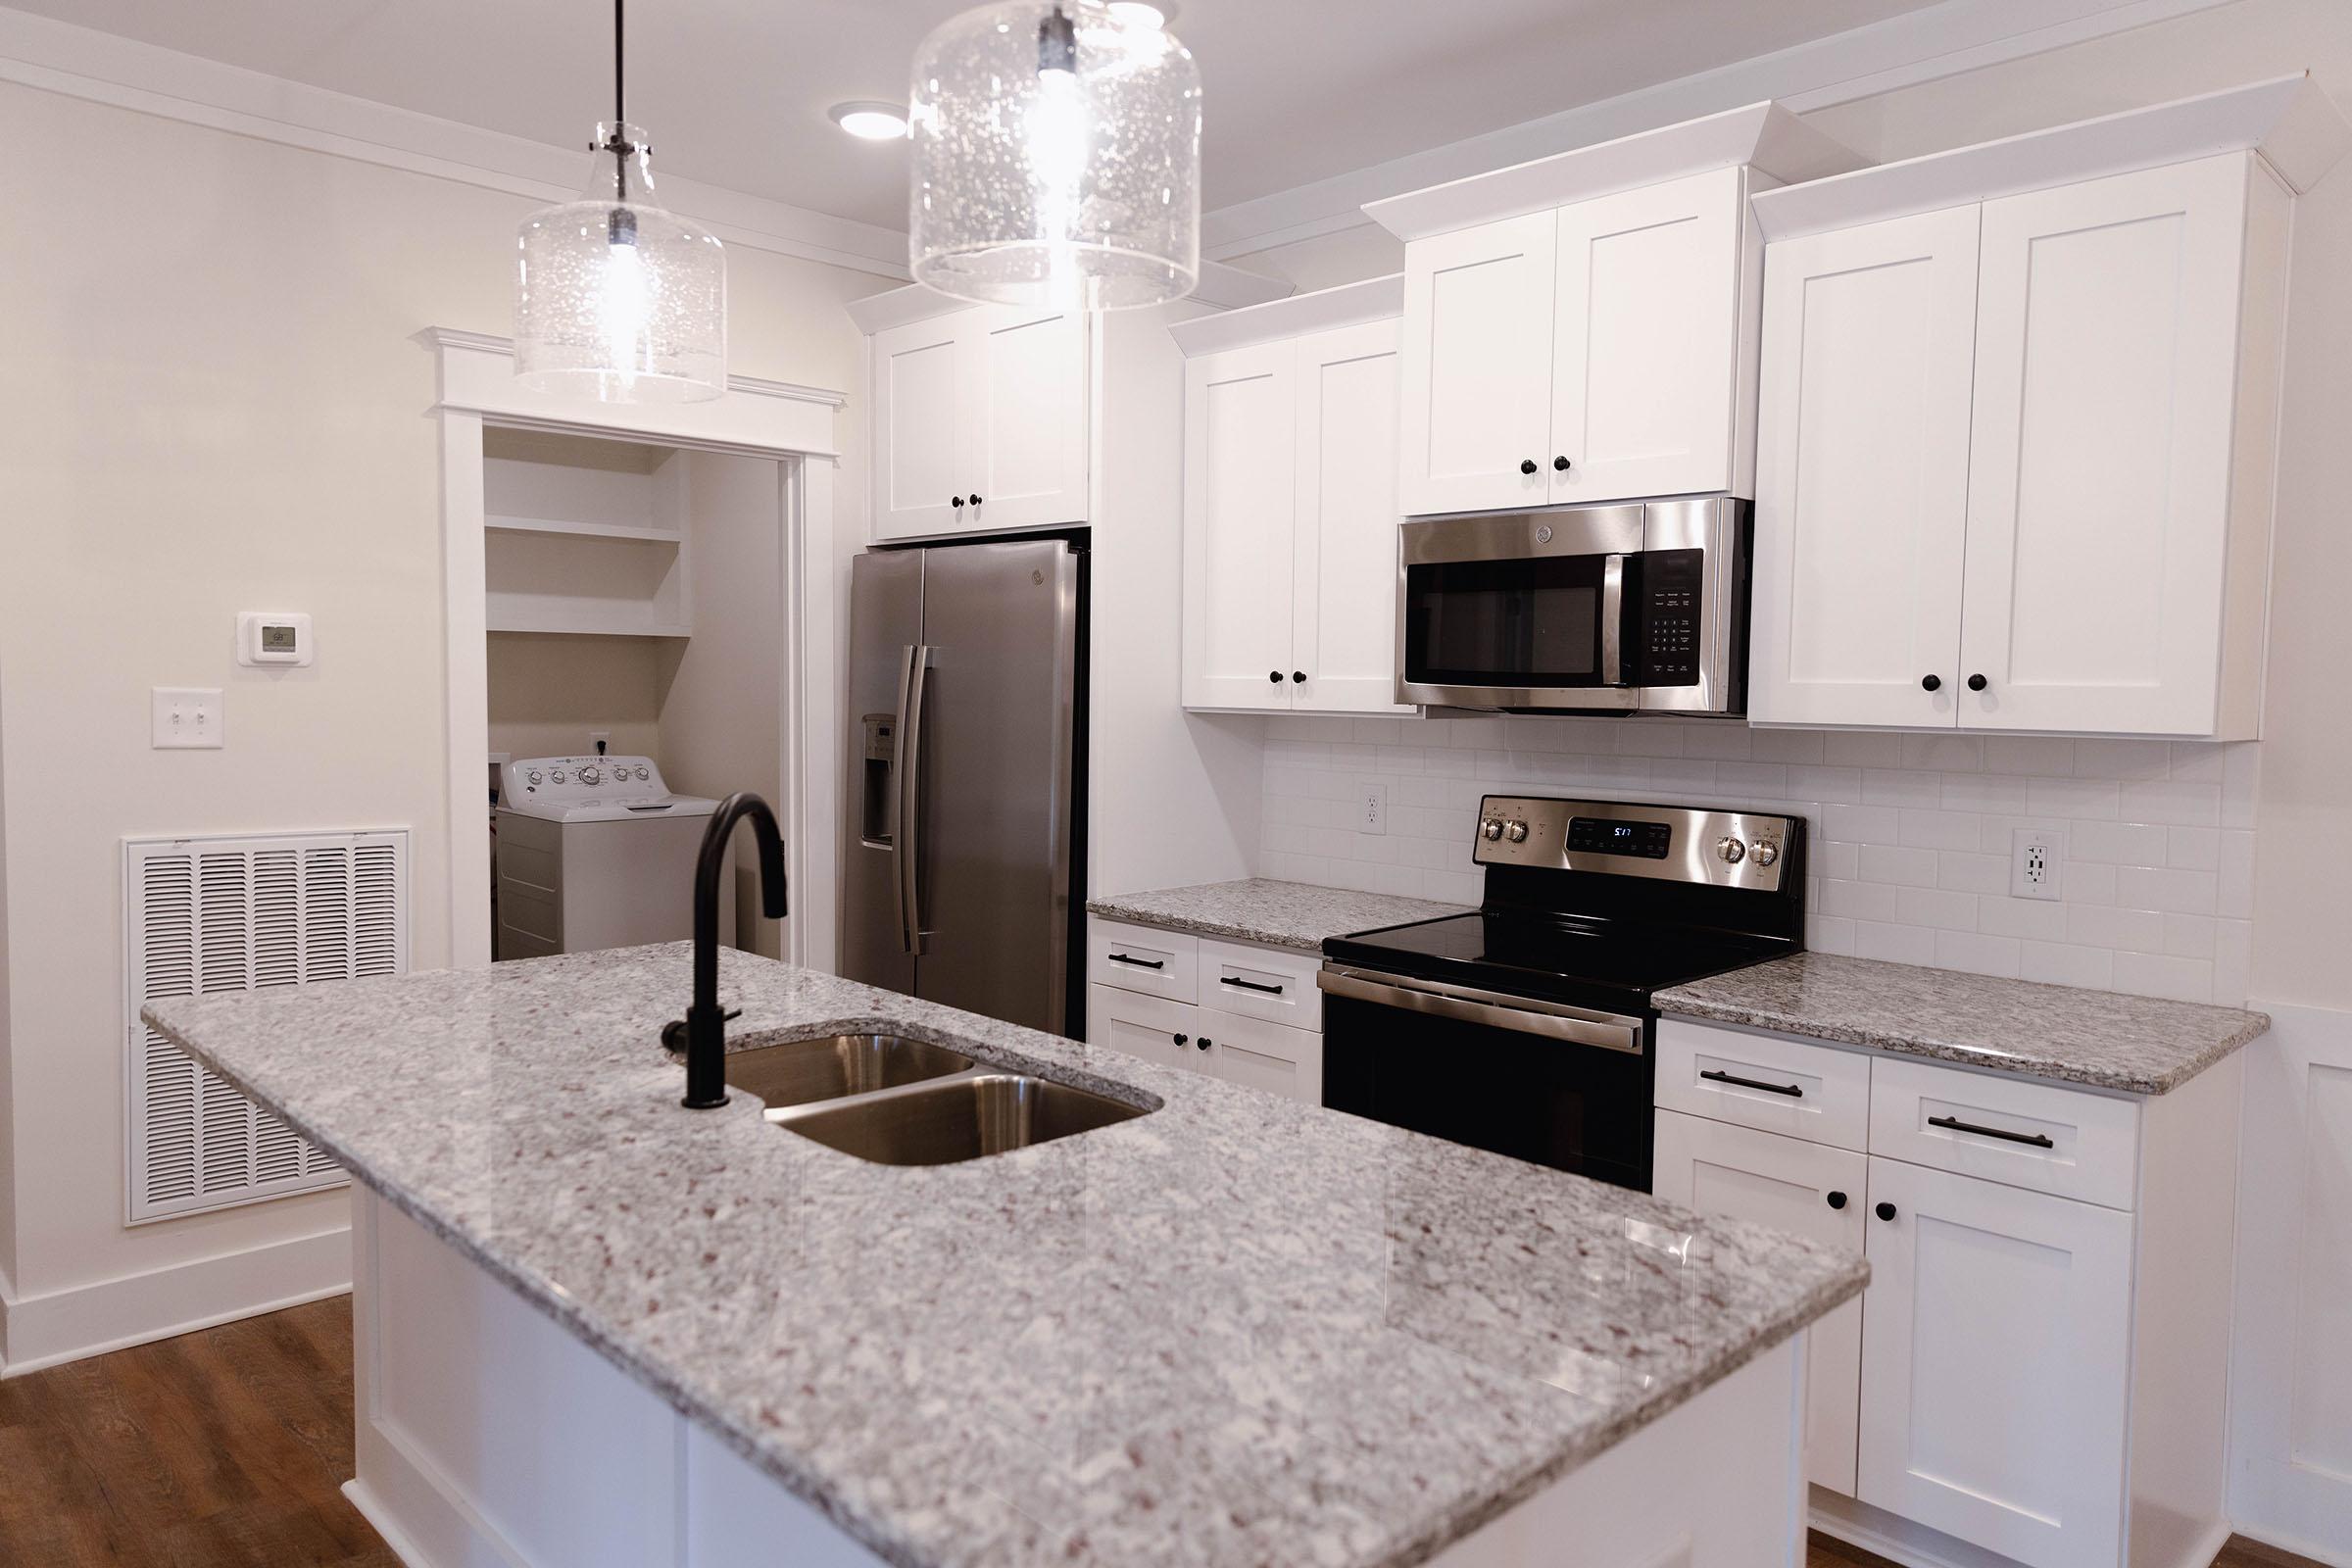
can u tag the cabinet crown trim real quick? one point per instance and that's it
(1376, 299)
(1763, 135)
(2290, 120)
(1225, 287)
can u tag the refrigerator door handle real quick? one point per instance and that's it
(908, 767)
(898, 798)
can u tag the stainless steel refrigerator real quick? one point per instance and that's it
(964, 839)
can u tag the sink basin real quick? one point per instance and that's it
(800, 1073)
(959, 1119)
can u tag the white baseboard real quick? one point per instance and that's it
(38, 1331)
(379, 1519)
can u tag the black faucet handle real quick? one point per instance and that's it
(730, 1017)
(674, 1036)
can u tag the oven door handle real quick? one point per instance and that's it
(1552, 1020)
(1612, 620)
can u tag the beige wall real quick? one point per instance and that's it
(215, 404)
(548, 690)
(2302, 918)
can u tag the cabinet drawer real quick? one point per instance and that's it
(1257, 1054)
(1142, 958)
(1274, 984)
(2009, 1130)
(1768, 1081)
(1150, 1027)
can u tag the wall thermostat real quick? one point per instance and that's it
(266, 637)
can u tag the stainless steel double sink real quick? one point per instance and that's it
(901, 1101)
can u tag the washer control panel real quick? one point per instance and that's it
(582, 780)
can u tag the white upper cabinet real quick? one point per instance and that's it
(2100, 490)
(1477, 368)
(1289, 504)
(980, 422)
(2018, 416)
(1862, 474)
(1583, 328)
(1646, 333)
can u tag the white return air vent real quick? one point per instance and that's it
(208, 915)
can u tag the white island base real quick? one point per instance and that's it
(490, 1437)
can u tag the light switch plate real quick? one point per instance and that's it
(187, 718)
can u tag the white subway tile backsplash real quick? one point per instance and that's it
(1911, 834)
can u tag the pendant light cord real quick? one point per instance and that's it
(620, 108)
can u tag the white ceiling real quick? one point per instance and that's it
(734, 92)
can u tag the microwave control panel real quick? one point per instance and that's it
(1666, 633)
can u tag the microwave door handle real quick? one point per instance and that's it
(1612, 620)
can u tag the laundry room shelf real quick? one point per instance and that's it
(584, 530)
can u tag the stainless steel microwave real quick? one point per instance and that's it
(1640, 607)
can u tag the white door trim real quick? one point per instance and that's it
(791, 425)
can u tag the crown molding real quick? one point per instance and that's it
(1919, 46)
(100, 66)
(1375, 298)
(1224, 287)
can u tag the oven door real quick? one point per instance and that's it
(1553, 1085)
(1529, 612)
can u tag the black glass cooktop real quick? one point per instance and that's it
(1567, 959)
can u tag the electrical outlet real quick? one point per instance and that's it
(600, 741)
(187, 718)
(1372, 809)
(2037, 857)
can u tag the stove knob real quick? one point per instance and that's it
(1516, 832)
(1766, 850)
(1731, 850)
(1490, 829)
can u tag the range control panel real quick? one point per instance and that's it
(1633, 838)
(582, 778)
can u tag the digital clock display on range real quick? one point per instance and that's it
(1594, 835)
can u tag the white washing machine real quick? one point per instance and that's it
(595, 851)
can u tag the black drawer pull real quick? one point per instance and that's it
(1791, 1090)
(1956, 1125)
(1248, 985)
(1140, 963)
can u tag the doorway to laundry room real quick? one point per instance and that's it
(635, 655)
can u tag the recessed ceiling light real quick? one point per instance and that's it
(869, 120)
(1144, 13)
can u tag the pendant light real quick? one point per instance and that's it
(1057, 157)
(616, 299)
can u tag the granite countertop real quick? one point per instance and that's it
(1280, 915)
(1236, 1331)
(2139, 1044)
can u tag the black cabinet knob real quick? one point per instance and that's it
(1930, 683)
(975, 501)
(1202, 1041)
(1836, 1199)
(1527, 466)
(1274, 675)
(954, 500)
(1977, 683)
(1297, 678)
(1885, 1211)
(1184, 1040)
(1560, 464)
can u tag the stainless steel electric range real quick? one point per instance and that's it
(1527, 1027)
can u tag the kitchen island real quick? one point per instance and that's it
(595, 1328)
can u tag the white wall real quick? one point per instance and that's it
(215, 404)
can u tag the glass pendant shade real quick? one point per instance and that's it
(617, 300)
(1057, 157)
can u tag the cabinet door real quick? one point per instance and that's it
(1343, 547)
(1257, 1054)
(1997, 1337)
(2099, 484)
(1862, 472)
(1476, 413)
(1809, 1190)
(1645, 361)
(1025, 447)
(1239, 430)
(920, 385)
(1150, 1027)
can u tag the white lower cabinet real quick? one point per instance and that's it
(1255, 1051)
(1272, 1057)
(1150, 1027)
(1996, 1364)
(1813, 1190)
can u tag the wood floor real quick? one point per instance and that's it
(226, 1449)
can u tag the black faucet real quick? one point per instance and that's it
(702, 1035)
